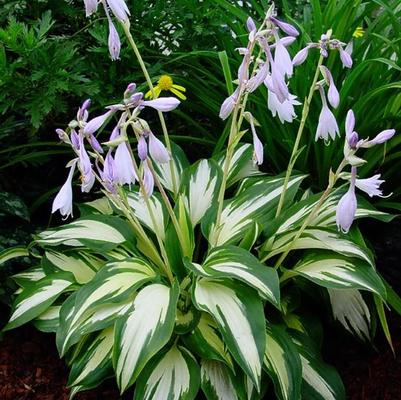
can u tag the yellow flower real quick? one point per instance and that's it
(166, 83)
(359, 32)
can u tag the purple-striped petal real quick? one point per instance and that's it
(114, 42)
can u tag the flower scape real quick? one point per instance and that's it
(183, 279)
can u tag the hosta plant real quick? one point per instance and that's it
(185, 278)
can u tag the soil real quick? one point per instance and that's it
(30, 368)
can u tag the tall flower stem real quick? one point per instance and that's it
(294, 154)
(332, 180)
(134, 47)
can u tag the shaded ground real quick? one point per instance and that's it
(30, 368)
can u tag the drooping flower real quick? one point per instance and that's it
(85, 166)
(371, 185)
(74, 137)
(119, 9)
(277, 84)
(124, 172)
(327, 125)
(258, 78)
(346, 208)
(282, 59)
(285, 27)
(114, 42)
(157, 149)
(284, 110)
(332, 95)
(142, 148)
(346, 59)
(107, 174)
(166, 83)
(228, 105)
(148, 179)
(63, 200)
(90, 7)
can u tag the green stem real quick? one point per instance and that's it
(132, 43)
(294, 155)
(332, 180)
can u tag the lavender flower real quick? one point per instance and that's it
(327, 125)
(285, 41)
(63, 200)
(107, 174)
(95, 143)
(346, 208)
(142, 148)
(119, 9)
(382, 137)
(285, 110)
(278, 85)
(285, 27)
(371, 185)
(157, 150)
(82, 114)
(345, 58)
(85, 166)
(148, 179)
(93, 125)
(62, 135)
(301, 56)
(282, 59)
(124, 172)
(258, 79)
(74, 139)
(114, 42)
(90, 7)
(163, 104)
(349, 123)
(228, 105)
(250, 25)
(257, 146)
(332, 95)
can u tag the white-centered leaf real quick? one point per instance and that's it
(350, 309)
(143, 331)
(48, 321)
(283, 363)
(34, 300)
(100, 298)
(237, 263)
(239, 313)
(13, 252)
(201, 189)
(217, 381)
(332, 270)
(174, 376)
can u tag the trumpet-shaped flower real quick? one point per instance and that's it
(370, 186)
(107, 174)
(163, 104)
(285, 110)
(85, 166)
(258, 79)
(381, 138)
(148, 180)
(228, 105)
(327, 125)
(346, 208)
(114, 42)
(282, 59)
(63, 200)
(157, 149)
(301, 56)
(90, 7)
(346, 59)
(124, 172)
(285, 27)
(119, 9)
(93, 125)
(142, 148)
(332, 95)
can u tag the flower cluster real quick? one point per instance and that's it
(120, 10)
(118, 167)
(347, 206)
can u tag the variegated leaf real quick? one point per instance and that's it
(163, 171)
(217, 381)
(237, 263)
(82, 271)
(98, 232)
(145, 329)
(92, 363)
(49, 320)
(101, 299)
(317, 238)
(320, 381)
(201, 186)
(205, 340)
(13, 252)
(173, 376)
(334, 271)
(350, 309)
(34, 300)
(29, 276)
(140, 209)
(98, 206)
(257, 202)
(239, 313)
(283, 363)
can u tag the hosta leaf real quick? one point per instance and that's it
(283, 363)
(98, 206)
(100, 298)
(237, 263)
(173, 376)
(98, 232)
(241, 165)
(92, 364)
(29, 276)
(141, 211)
(201, 187)
(334, 271)
(13, 252)
(256, 203)
(317, 238)
(217, 381)
(163, 171)
(350, 309)
(145, 329)
(206, 341)
(49, 320)
(82, 271)
(320, 381)
(34, 300)
(239, 313)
